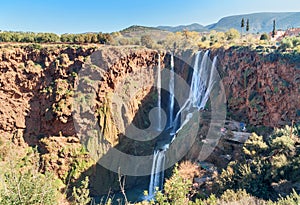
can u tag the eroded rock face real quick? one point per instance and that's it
(30, 84)
(37, 95)
(37, 88)
(124, 95)
(261, 89)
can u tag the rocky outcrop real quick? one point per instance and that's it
(262, 89)
(31, 86)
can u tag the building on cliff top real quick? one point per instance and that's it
(280, 34)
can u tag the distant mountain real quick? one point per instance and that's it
(137, 31)
(137, 28)
(259, 22)
(191, 27)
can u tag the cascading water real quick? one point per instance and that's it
(157, 172)
(202, 83)
(171, 90)
(159, 128)
(211, 82)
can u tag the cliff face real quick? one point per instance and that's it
(40, 87)
(38, 93)
(33, 82)
(37, 86)
(261, 89)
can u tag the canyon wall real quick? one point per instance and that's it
(261, 89)
(40, 87)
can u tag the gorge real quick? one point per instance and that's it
(40, 89)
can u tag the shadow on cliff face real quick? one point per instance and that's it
(132, 155)
(51, 115)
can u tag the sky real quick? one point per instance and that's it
(79, 16)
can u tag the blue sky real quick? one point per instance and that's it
(77, 16)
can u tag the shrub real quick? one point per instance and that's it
(292, 199)
(81, 194)
(188, 170)
(176, 189)
(266, 161)
(264, 36)
(286, 43)
(255, 146)
(147, 41)
(232, 196)
(232, 34)
(22, 183)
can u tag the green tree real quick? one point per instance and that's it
(232, 34)
(16, 37)
(46, 38)
(242, 25)
(176, 190)
(286, 43)
(247, 25)
(94, 38)
(28, 37)
(274, 28)
(147, 41)
(67, 38)
(79, 38)
(104, 38)
(5, 37)
(264, 36)
(266, 161)
(255, 146)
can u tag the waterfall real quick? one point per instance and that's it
(171, 90)
(157, 172)
(203, 80)
(211, 82)
(159, 128)
(199, 92)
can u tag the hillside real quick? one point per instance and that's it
(191, 27)
(259, 22)
(137, 31)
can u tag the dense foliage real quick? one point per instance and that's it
(268, 165)
(30, 37)
(22, 183)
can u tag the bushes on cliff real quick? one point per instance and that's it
(264, 37)
(30, 37)
(81, 194)
(232, 34)
(269, 165)
(147, 41)
(290, 43)
(217, 39)
(22, 183)
(176, 189)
